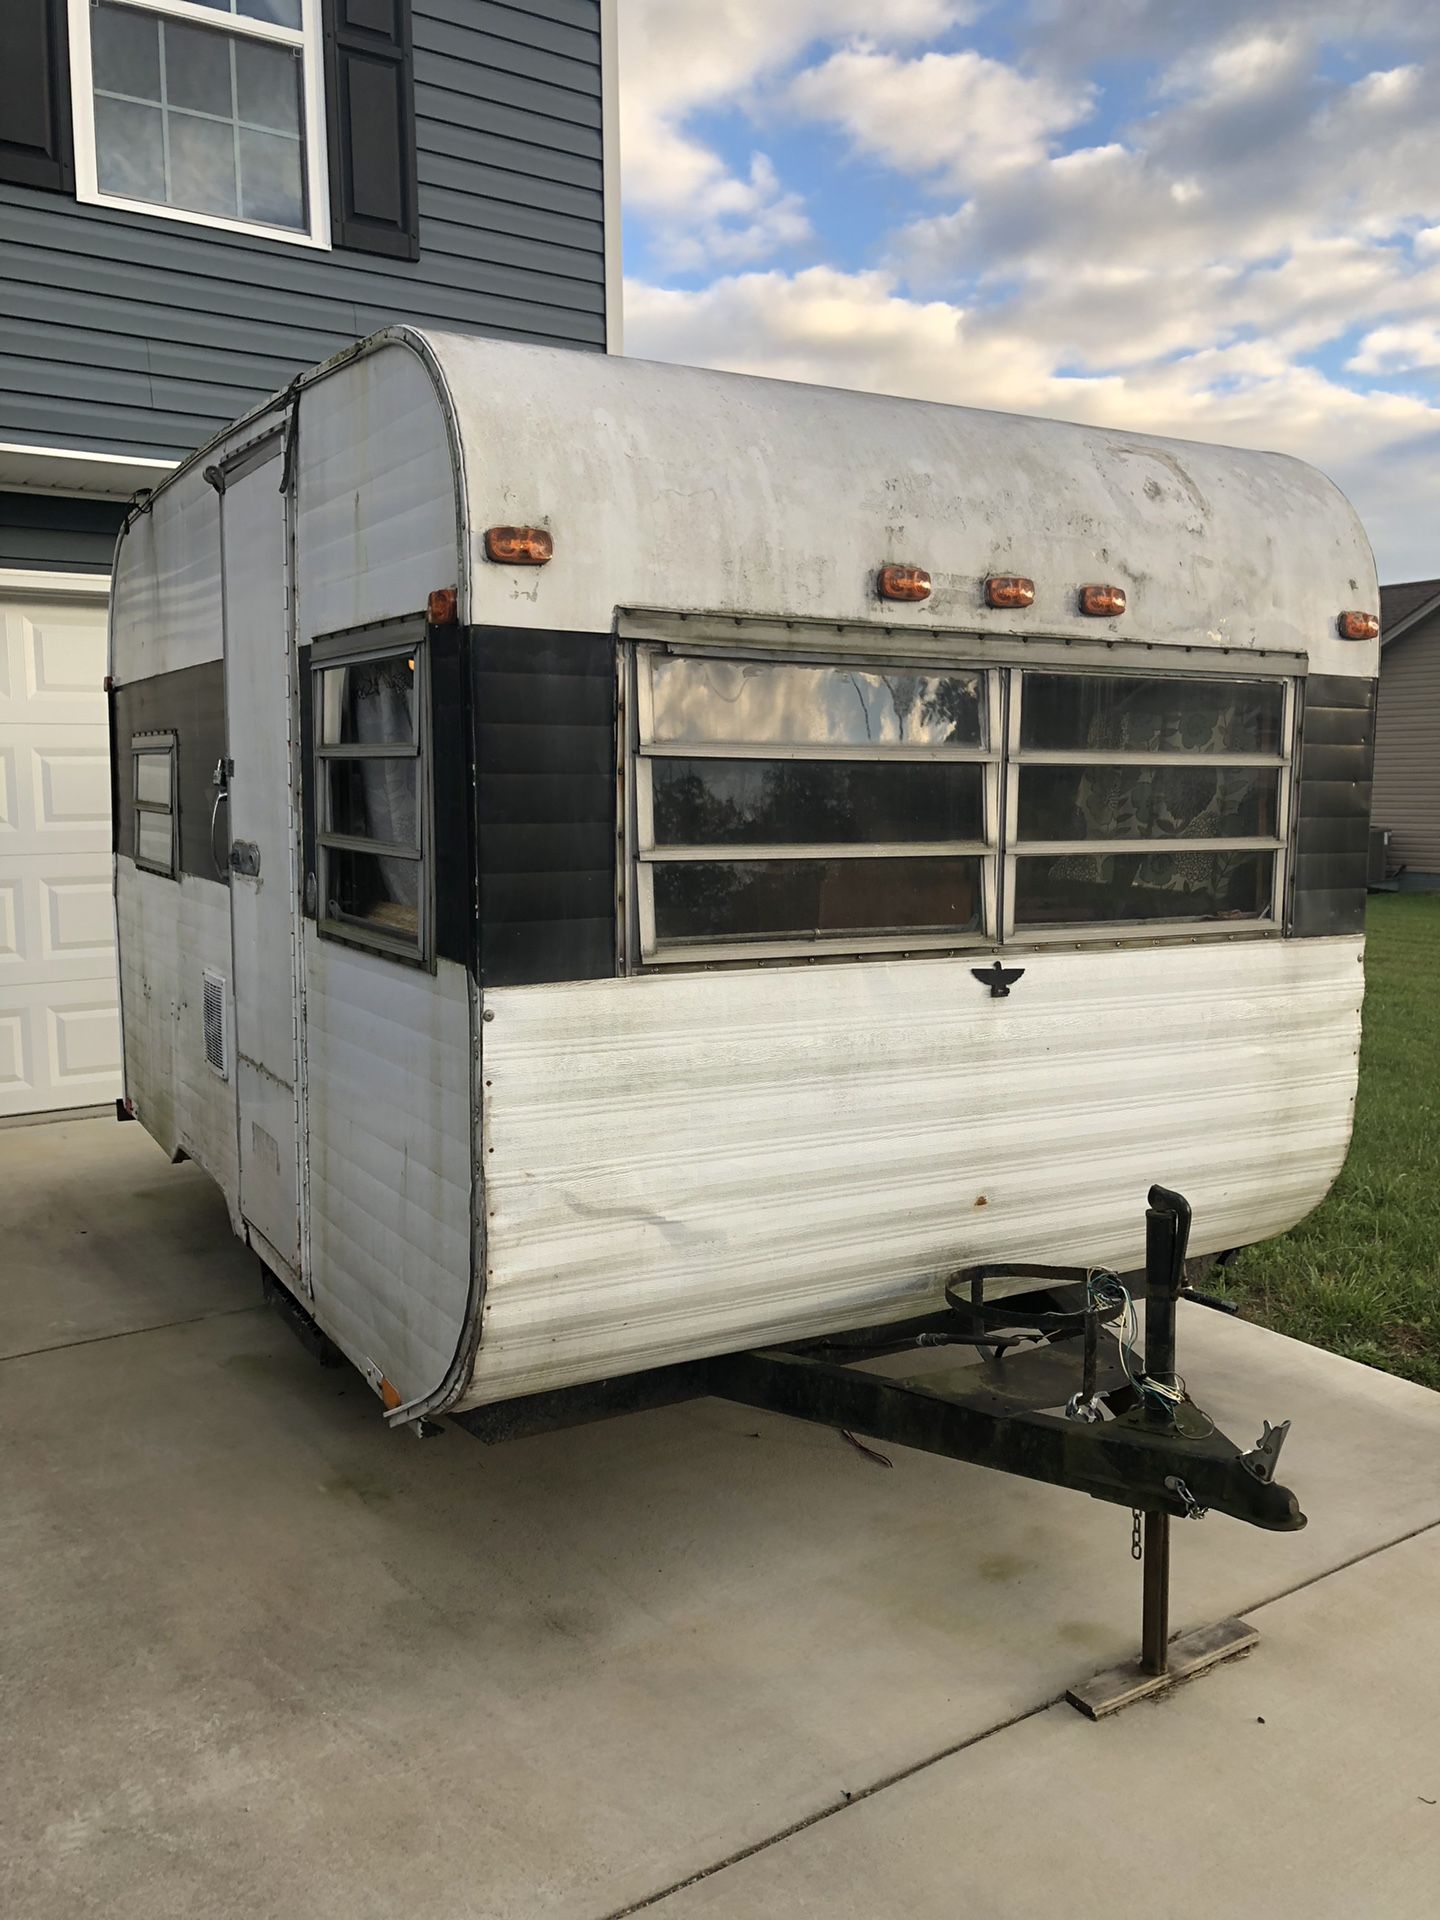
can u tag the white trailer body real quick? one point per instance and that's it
(589, 979)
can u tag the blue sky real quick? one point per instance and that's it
(1220, 221)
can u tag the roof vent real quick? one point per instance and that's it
(214, 1018)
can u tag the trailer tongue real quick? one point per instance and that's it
(1040, 1394)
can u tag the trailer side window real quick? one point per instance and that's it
(156, 812)
(371, 794)
(784, 807)
(1137, 800)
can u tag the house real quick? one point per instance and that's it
(199, 198)
(1406, 801)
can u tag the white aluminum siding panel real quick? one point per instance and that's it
(264, 905)
(376, 501)
(165, 611)
(171, 932)
(386, 1047)
(389, 1128)
(685, 1165)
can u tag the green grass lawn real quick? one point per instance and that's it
(1362, 1274)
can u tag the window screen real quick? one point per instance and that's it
(1144, 799)
(156, 812)
(784, 806)
(370, 774)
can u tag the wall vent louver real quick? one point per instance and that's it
(214, 1018)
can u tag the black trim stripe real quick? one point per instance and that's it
(544, 706)
(1332, 812)
(307, 784)
(190, 703)
(452, 780)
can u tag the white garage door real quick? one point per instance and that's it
(59, 1024)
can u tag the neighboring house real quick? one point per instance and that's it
(199, 198)
(1406, 798)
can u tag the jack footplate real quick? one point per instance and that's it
(1188, 1653)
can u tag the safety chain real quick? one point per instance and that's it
(1193, 1508)
(1137, 1544)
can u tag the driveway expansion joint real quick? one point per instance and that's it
(901, 1774)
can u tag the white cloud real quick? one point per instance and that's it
(844, 329)
(678, 60)
(1399, 349)
(858, 330)
(1250, 62)
(1259, 172)
(959, 115)
(732, 220)
(1272, 190)
(1281, 208)
(1066, 35)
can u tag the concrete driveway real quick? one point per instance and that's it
(263, 1657)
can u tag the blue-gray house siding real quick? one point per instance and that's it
(45, 533)
(125, 333)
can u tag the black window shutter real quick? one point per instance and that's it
(370, 98)
(35, 148)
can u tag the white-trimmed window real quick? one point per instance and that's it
(157, 815)
(209, 111)
(785, 807)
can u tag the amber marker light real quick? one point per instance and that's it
(903, 583)
(1359, 626)
(1102, 603)
(442, 608)
(1009, 590)
(519, 546)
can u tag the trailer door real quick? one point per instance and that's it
(259, 704)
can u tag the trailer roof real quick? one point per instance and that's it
(676, 487)
(717, 494)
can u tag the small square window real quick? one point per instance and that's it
(157, 813)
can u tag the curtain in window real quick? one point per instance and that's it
(383, 699)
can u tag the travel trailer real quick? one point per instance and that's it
(618, 864)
